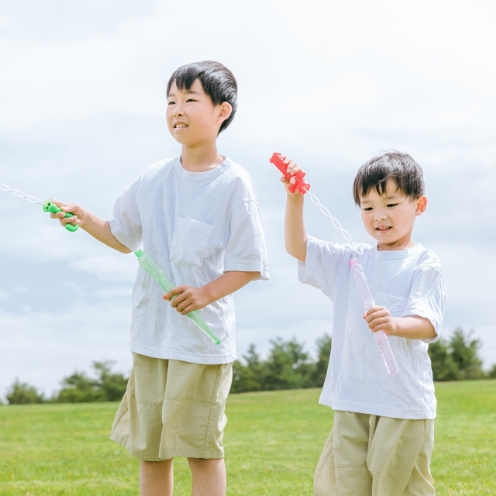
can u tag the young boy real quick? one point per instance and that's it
(383, 433)
(197, 216)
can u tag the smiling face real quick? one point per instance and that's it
(192, 118)
(389, 218)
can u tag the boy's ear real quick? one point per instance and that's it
(421, 205)
(225, 110)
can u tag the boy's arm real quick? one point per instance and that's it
(380, 319)
(98, 228)
(189, 298)
(295, 235)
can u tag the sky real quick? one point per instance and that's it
(330, 84)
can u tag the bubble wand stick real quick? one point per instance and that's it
(153, 269)
(368, 302)
(297, 183)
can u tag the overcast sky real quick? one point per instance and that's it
(329, 83)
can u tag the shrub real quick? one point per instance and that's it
(80, 388)
(21, 393)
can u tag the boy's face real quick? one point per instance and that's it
(389, 218)
(192, 118)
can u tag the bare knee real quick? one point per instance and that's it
(156, 478)
(209, 476)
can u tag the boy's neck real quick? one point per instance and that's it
(200, 157)
(403, 244)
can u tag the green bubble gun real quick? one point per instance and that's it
(152, 268)
(49, 206)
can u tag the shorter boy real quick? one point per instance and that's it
(383, 433)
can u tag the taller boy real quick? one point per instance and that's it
(197, 216)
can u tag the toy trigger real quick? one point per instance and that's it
(50, 207)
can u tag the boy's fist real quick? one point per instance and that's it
(185, 299)
(292, 174)
(380, 319)
(78, 211)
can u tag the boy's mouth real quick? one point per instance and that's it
(180, 125)
(383, 229)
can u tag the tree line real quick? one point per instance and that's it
(287, 366)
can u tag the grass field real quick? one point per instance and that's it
(273, 441)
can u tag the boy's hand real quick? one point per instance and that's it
(380, 319)
(78, 211)
(293, 169)
(187, 298)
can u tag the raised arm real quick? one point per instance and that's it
(92, 224)
(295, 235)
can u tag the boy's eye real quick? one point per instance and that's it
(171, 103)
(367, 209)
(190, 100)
(391, 205)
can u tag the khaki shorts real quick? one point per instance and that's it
(367, 455)
(173, 408)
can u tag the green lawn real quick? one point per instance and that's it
(273, 441)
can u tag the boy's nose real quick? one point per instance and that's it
(380, 215)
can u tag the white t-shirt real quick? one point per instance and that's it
(195, 226)
(408, 283)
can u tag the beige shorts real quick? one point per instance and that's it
(173, 408)
(367, 455)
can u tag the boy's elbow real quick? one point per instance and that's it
(298, 253)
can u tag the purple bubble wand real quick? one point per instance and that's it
(368, 302)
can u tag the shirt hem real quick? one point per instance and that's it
(185, 357)
(382, 411)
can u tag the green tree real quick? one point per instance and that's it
(324, 345)
(21, 393)
(444, 368)
(112, 384)
(287, 367)
(465, 353)
(248, 377)
(80, 388)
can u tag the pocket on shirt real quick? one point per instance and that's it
(190, 242)
(395, 304)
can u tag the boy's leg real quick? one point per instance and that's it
(209, 476)
(156, 478)
(399, 456)
(342, 468)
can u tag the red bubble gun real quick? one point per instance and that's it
(296, 182)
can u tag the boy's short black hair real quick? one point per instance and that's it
(392, 165)
(217, 80)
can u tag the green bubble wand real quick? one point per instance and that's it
(154, 270)
(48, 206)
(143, 259)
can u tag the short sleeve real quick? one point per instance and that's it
(246, 251)
(427, 297)
(126, 224)
(322, 263)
